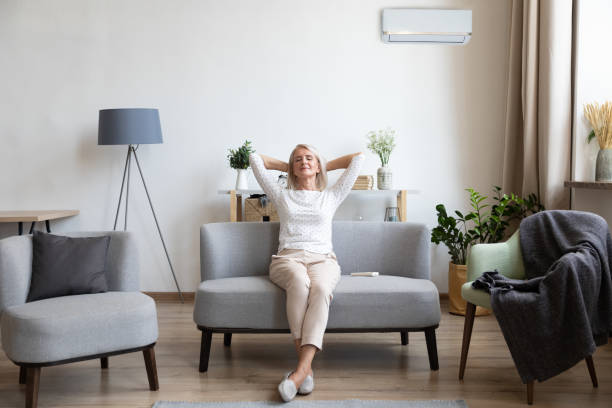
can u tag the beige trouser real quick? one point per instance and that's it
(309, 279)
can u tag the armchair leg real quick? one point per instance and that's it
(227, 339)
(404, 334)
(104, 363)
(205, 349)
(149, 357)
(467, 336)
(530, 393)
(432, 348)
(589, 361)
(22, 375)
(32, 384)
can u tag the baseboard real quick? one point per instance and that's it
(171, 296)
(190, 296)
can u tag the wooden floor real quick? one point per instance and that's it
(365, 366)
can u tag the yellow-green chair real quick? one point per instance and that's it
(507, 259)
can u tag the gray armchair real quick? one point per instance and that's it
(74, 328)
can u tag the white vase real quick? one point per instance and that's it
(384, 178)
(242, 180)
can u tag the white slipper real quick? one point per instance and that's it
(286, 388)
(307, 385)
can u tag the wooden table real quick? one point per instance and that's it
(34, 217)
(236, 200)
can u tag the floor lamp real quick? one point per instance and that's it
(132, 127)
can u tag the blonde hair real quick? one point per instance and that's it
(321, 180)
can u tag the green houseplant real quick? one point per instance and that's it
(486, 222)
(239, 160)
(382, 143)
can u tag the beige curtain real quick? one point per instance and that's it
(537, 151)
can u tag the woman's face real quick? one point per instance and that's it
(305, 164)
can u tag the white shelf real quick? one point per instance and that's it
(371, 192)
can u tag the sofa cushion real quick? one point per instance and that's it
(384, 302)
(359, 303)
(68, 327)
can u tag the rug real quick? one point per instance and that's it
(353, 403)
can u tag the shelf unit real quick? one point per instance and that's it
(237, 195)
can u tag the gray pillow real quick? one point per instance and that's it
(63, 266)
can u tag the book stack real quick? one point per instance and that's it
(364, 183)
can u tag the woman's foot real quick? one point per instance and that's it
(307, 385)
(299, 376)
(287, 388)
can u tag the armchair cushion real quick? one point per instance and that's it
(476, 296)
(67, 266)
(62, 328)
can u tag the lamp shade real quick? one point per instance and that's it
(129, 126)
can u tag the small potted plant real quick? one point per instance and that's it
(382, 143)
(486, 223)
(239, 160)
(600, 118)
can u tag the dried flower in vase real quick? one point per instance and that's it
(600, 118)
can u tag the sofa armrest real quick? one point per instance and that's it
(506, 257)
(15, 270)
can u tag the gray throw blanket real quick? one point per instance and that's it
(563, 310)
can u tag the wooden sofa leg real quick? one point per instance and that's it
(104, 363)
(589, 361)
(150, 364)
(530, 393)
(470, 312)
(432, 348)
(32, 385)
(22, 375)
(205, 349)
(404, 334)
(227, 339)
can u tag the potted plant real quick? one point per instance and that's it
(600, 118)
(382, 143)
(239, 160)
(487, 222)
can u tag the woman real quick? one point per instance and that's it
(305, 266)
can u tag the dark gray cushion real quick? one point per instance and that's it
(63, 266)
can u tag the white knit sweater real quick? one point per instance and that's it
(306, 216)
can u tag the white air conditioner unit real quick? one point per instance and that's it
(426, 26)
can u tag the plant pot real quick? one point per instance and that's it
(242, 179)
(457, 276)
(384, 178)
(603, 165)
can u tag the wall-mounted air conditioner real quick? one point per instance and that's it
(426, 26)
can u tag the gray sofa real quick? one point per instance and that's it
(236, 295)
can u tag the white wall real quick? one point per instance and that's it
(276, 72)
(593, 84)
